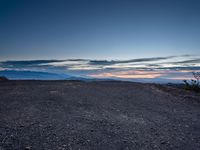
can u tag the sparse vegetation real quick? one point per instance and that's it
(193, 84)
(3, 78)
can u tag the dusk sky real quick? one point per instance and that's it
(106, 35)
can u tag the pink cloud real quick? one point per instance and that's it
(150, 74)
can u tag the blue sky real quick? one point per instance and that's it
(93, 29)
(96, 37)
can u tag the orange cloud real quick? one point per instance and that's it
(128, 74)
(150, 74)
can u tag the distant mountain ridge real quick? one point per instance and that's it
(32, 75)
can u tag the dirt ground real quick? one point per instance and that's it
(73, 115)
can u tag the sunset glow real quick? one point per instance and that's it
(115, 39)
(145, 74)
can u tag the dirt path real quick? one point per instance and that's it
(55, 115)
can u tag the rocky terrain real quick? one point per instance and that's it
(74, 115)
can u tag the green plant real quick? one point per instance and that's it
(196, 76)
(193, 84)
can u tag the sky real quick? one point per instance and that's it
(116, 34)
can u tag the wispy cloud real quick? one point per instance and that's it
(156, 67)
(112, 62)
(146, 74)
(189, 61)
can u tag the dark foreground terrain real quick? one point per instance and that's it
(59, 115)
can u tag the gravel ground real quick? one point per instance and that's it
(72, 115)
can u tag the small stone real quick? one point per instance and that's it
(163, 142)
(187, 126)
(124, 141)
(28, 148)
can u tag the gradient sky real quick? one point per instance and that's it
(98, 29)
(118, 39)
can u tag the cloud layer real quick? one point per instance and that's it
(171, 67)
